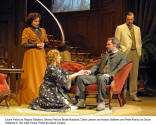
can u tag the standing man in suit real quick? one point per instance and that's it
(101, 73)
(130, 43)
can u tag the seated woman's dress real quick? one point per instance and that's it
(49, 99)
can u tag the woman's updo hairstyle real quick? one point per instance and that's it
(31, 16)
(52, 56)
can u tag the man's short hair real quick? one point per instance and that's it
(130, 14)
(115, 41)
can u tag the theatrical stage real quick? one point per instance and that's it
(145, 108)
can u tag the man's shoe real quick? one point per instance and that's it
(100, 106)
(81, 103)
(135, 98)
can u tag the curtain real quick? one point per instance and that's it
(145, 16)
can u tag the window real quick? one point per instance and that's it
(70, 5)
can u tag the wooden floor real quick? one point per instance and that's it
(145, 108)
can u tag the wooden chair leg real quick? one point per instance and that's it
(97, 99)
(7, 100)
(111, 95)
(120, 100)
(124, 93)
(110, 99)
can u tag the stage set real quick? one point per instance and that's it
(79, 30)
(145, 108)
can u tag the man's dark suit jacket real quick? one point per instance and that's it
(116, 62)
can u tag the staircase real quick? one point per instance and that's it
(78, 54)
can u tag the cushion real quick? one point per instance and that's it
(4, 88)
(72, 66)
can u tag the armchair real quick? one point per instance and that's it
(116, 87)
(4, 89)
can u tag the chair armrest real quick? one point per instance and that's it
(72, 66)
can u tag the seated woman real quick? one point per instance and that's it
(49, 99)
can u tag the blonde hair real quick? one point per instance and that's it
(52, 56)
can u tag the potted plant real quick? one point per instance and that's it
(148, 51)
(147, 58)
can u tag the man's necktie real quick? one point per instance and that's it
(131, 29)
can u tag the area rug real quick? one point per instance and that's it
(23, 110)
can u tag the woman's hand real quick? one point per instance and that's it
(87, 72)
(40, 45)
(84, 72)
(81, 72)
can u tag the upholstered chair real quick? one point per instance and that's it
(4, 89)
(115, 88)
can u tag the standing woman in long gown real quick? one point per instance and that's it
(34, 39)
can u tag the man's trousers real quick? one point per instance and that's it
(84, 80)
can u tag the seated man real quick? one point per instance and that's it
(101, 73)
